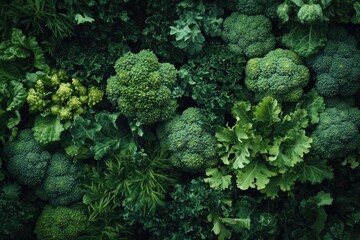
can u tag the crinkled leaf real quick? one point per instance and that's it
(242, 112)
(237, 223)
(82, 130)
(47, 129)
(267, 112)
(217, 179)
(254, 175)
(314, 104)
(219, 227)
(18, 95)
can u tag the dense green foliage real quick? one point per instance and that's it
(181, 119)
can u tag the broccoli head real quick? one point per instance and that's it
(27, 160)
(60, 223)
(191, 145)
(279, 74)
(256, 7)
(337, 66)
(54, 177)
(337, 133)
(248, 36)
(142, 88)
(62, 185)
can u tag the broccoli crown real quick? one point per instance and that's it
(337, 133)
(248, 36)
(279, 74)
(191, 145)
(143, 87)
(27, 160)
(62, 185)
(337, 67)
(60, 223)
(256, 7)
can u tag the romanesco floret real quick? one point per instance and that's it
(61, 96)
(95, 96)
(60, 223)
(337, 133)
(142, 87)
(279, 74)
(337, 67)
(191, 144)
(248, 36)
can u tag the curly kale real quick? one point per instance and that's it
(280, 74)
(142, 88)
(248, 36)
(337, 66)
(213, 79)
(15, 214)
(188, 139)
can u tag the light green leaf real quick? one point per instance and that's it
(47, 129)
(217, 179)
(254, 175)
(219, 227)
(267, 111)
(83, 18)
(323, 199)
(314, 104)
(237, 223)
(242, 112)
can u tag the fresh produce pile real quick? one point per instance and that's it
(179, 120)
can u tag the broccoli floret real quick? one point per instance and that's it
(248, 36)
(256, 7)
(60, 223)
(279, 74)
(27, 160)
(55, 177)
(337, 133)
(191, 144)
(62, 184)
(337, 67)
(143, 87)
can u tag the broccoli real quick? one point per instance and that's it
(191, 145)
(337, 67)
(61, 185)
(143, 87)
(55, 177)
(279, 74)
(60, 223)
(337, 133)
(27, 160)
(248, 36)
(256, 7)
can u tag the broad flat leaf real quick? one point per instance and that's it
(254, 175)
(47, 129)
(267, 111)
(242, 112)
(314, 171)
(107, 121)
(305, 40)
(83, 129)
(217, 179)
